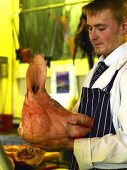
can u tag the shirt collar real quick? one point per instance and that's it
(115, 55)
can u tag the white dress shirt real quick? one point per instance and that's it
(109, 151)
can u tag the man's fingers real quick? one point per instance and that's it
(83, 120)
(77, 131)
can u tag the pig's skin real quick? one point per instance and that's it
(42, 117)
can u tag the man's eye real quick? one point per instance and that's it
(101, 28)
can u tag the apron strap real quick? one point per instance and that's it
(109, 86)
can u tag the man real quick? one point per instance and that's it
(105, 99)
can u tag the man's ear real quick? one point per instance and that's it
(125, 26)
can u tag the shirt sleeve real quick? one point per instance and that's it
(108, 152)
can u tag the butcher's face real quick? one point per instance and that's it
(105, 32)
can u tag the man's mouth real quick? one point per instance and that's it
(97, 45)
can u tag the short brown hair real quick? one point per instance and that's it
(118, 7)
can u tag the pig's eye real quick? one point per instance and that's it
(35, 88)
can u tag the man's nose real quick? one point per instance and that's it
(93, 34)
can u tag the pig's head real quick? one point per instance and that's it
(43, 118)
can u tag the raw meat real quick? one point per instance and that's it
(44, 120)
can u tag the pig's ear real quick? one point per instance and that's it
(36, 74)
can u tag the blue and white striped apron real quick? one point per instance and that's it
(96, 103)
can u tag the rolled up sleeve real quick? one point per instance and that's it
(82, 153)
